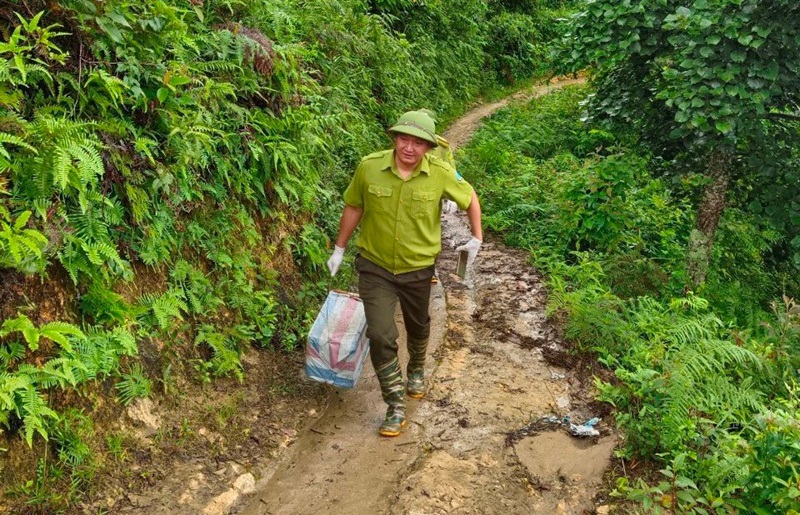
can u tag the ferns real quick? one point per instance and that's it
(133, 385)
(103, 305)
(20, 248)
(34, 412)
(56, 331)
(225, 355)
(6, 138)
(697, 372)
(680, 369)
(90, 247)
(160, 310)
(81, 357)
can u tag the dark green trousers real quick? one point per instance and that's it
(380, 291)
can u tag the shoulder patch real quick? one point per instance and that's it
(458, 176)
(440, 162)
(436, 159)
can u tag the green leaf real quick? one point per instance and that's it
(58, 331)
(738, 56)
(706, 51)
(762, 31)
(118, 18)
(724, 126)
(771, 71)
(22, 220)
(179, 80)
(110, 28)
(699, 121)
(686, 496)
(162, 94)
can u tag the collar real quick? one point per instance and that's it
(388, 163)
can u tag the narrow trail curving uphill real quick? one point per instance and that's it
(490, 435)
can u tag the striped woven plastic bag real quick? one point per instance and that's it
(337, 344)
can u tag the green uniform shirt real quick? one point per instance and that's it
(401, 228)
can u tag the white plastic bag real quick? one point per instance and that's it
(337, 344)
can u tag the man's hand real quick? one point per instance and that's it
(335, 260)
(449, 207)
(472, 247)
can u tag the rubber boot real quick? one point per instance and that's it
(390, 378)
(415, 371)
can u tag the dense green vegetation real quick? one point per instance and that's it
(172, 169)
(711, 90)
(706, 382)
(708, 85)
(169, 167)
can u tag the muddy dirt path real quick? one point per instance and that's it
(489, 437)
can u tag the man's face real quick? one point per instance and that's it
(409, 149)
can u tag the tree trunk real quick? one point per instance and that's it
(709, 213)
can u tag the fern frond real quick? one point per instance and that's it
(60, 371)
(89, 225)
(208, 67)
(126, 341)
(89, 162)
(61, 168)
(167, 307)
(33, 412)
(687, 330)
(74, 263)
(225, 359)
(6, 138)
(84, 351)
(23, 325)
(133, 384)
(11, 388)
(10, 353)
(59, 332)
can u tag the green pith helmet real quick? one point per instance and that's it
(416, 123)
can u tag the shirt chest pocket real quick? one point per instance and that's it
(423, 203)
(380, 198)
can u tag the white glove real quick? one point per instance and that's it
(449, 207)
(472, 247)
(335, 260)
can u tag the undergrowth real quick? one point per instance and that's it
(706, 382)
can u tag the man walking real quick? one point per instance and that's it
(395, 195)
